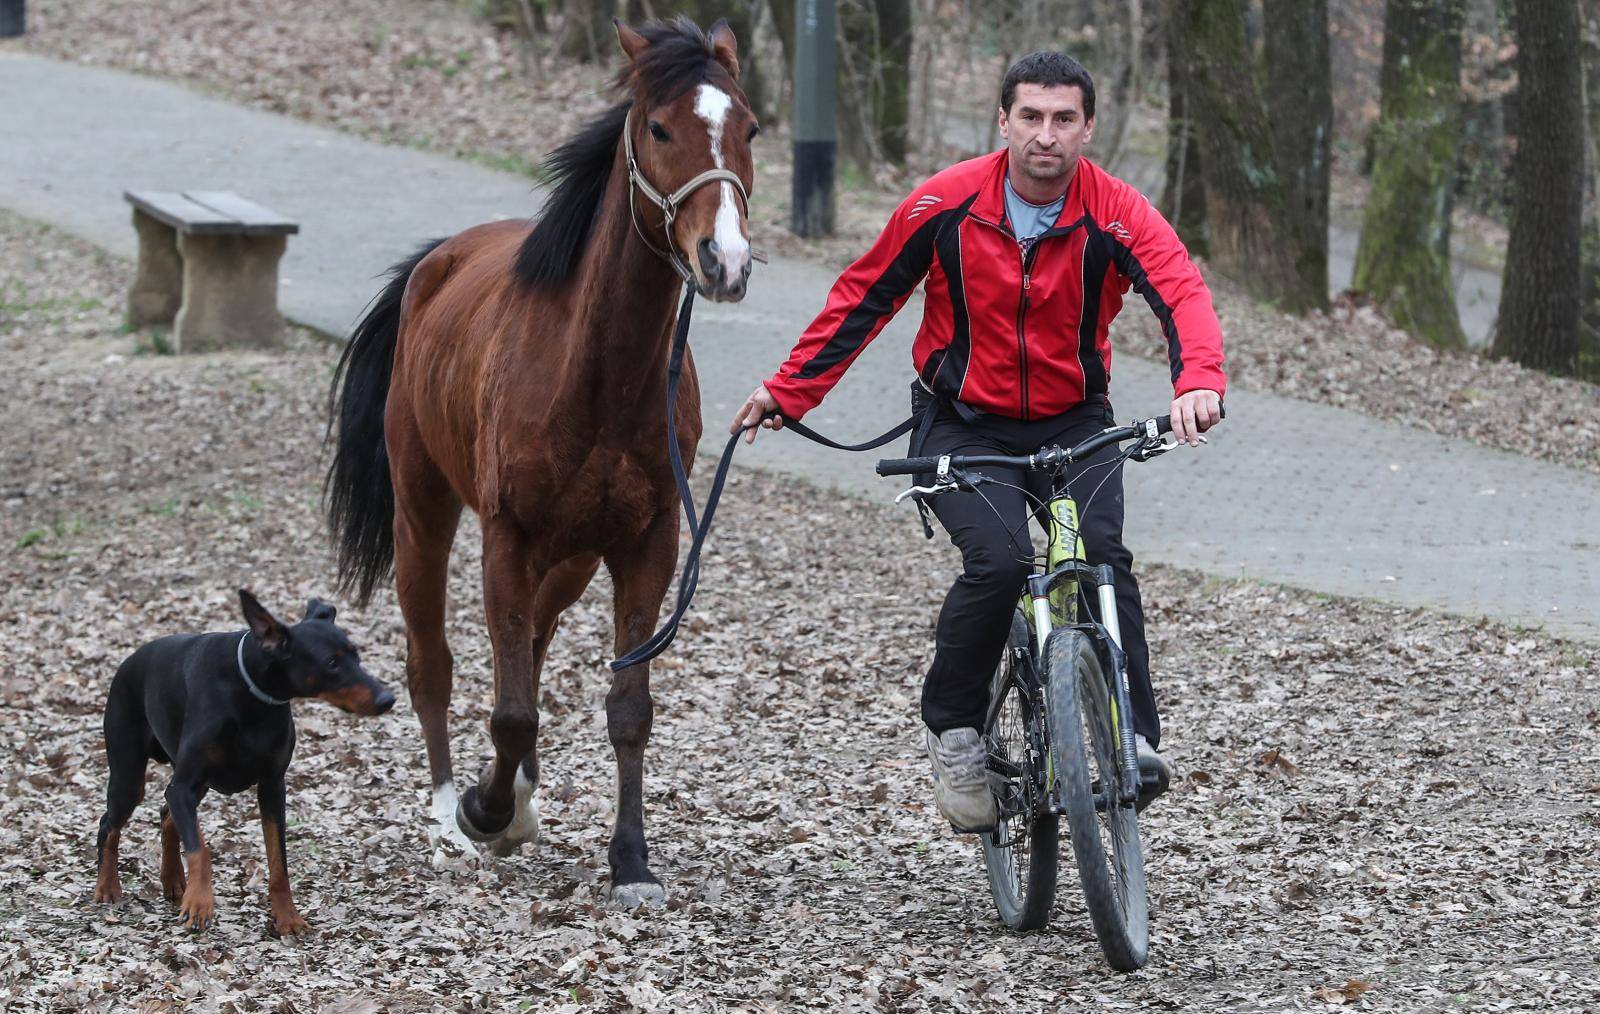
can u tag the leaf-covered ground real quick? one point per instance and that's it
(1374, 806)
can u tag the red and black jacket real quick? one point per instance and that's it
(1018, 332)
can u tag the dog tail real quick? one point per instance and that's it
(358, 491)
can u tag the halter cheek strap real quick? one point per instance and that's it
(669, 203)
(249, 684)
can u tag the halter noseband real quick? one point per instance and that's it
(669, 203)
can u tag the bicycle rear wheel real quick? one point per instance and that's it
(1105, 833)
(1021, 853)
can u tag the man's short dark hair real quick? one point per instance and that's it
(1049, 69)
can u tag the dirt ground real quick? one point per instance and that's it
(1375, 806)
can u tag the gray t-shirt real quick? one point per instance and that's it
(1029, 220)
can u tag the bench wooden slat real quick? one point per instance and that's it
(252, 217)
(179, 212)
(210, 212)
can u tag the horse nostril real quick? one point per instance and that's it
(710, 262)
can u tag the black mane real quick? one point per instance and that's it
(679, 57)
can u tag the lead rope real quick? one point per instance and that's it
(689, 579)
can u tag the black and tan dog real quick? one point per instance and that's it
(217, 707)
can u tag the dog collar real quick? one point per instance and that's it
(249, 684)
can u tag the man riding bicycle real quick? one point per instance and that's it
(1027, 253)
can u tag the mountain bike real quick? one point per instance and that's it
(1059, 721)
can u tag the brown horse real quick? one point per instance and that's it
(521, 371)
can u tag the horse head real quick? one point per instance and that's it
(688, 135)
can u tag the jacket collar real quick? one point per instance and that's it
(991, 202)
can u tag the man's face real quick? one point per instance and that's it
(1046, 130)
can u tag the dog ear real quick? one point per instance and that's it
(317, 609)
(262, 623)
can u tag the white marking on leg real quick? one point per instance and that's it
(442, 827)
(524, 825)
(712, 105)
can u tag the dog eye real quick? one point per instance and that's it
(333, 663)
(755, 128)
(659, 132)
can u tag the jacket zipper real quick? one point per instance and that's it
(1027, 249)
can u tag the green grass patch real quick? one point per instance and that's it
(32, 536)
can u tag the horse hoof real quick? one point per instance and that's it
(445, 839)
(640, 895)
(464, 811)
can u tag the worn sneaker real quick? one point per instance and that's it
(961, 780)
(1154, 775)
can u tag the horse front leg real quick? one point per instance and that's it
(641, 574)
(510, 589)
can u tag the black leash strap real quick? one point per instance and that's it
(701, 526)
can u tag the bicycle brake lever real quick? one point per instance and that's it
(924, 491)
(1147, 450)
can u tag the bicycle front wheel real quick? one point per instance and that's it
(1020, 854)
(1104, 832)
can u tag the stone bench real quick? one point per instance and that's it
(208, 265)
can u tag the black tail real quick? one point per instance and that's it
(358, 491)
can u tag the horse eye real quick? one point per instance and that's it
(658, 132)
(755, 128)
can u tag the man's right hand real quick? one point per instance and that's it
(759, 404)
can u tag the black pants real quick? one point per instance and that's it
(977, 611)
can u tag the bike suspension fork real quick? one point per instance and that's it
(1106, 589)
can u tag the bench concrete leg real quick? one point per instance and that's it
(230, 292)
(157, 289)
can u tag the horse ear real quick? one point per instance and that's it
(632, 42)
(724, 47)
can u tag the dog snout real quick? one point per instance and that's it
(382, 701)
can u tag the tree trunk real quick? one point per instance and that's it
(1300, 105)
(1589, 336)
(893, 100)
(1540, 303)
(1403, 259)
(1183, 199)
(1245, 210)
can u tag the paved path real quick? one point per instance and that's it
(1289, 491)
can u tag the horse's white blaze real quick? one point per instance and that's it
(712, 105)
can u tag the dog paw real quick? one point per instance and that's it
(107, 894)
(640, 895)
(198, 910)
(289, 924)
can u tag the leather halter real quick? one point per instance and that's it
(669, 203)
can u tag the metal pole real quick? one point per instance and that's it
(816, 135)
(13, 17)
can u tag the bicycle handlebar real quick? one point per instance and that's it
(1048, 459)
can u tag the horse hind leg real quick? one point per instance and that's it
(426, 516)
(641, 575)
(563, 586)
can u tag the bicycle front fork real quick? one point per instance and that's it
(1121, 693)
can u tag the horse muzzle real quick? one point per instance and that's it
(722, 274)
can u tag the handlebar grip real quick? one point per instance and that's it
(1164, 423)
(906, 466)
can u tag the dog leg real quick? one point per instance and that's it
(199, 904)
(172, 878)
(286, 920)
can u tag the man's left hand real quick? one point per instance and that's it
(1194, 413)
